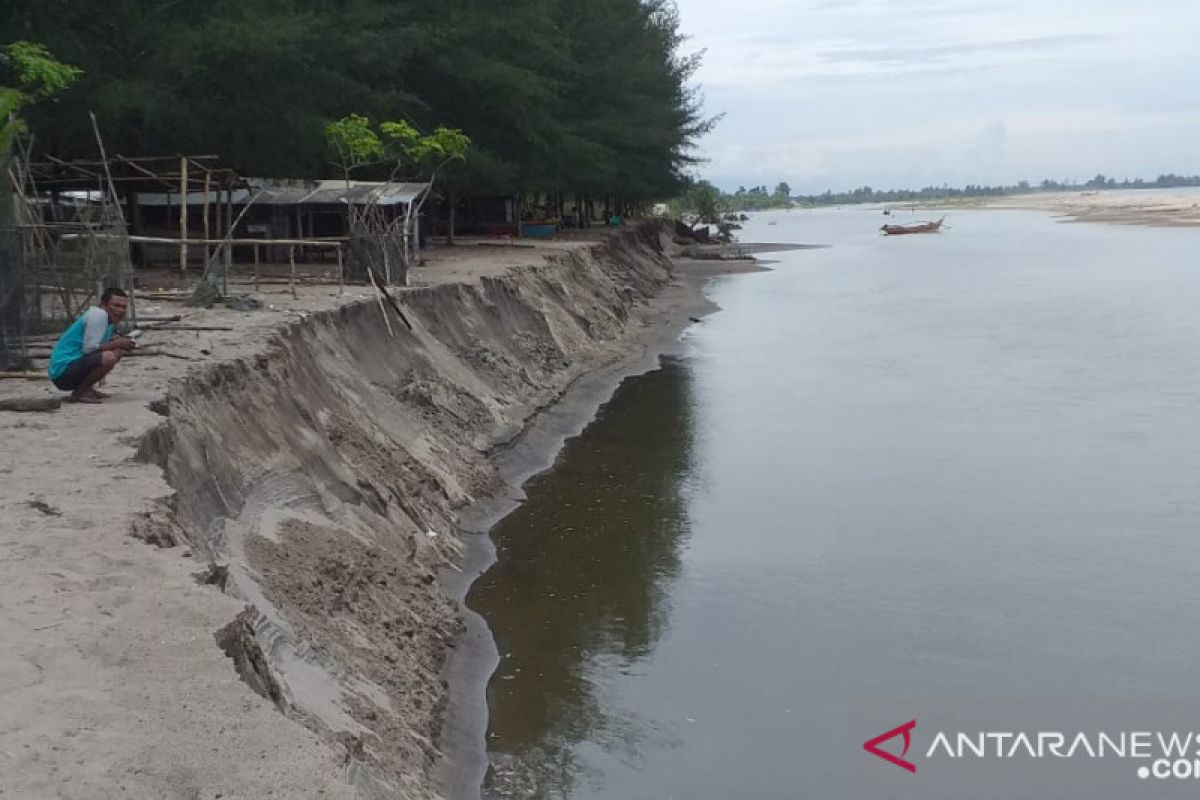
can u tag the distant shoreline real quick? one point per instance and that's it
(1170, 208)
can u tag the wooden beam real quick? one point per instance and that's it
(332, 241)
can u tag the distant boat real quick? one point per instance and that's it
(916, 227)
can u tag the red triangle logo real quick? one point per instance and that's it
(905, 730)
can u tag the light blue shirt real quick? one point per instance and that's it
(85, 335)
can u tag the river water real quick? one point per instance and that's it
(952, 479)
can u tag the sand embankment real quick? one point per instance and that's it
(289, 635)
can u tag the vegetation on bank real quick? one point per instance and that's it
(555, 96)
(703, 205)
(708, 204)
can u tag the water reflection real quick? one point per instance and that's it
(581, 585)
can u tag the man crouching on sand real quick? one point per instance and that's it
(87, 351)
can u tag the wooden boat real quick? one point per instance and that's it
(916, 227)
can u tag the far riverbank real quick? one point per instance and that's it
(1174, 208)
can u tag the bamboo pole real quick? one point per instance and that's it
(207, 232)
(127, 261)
(387, 262)
(292, 261)
(229, 238)
(386, 322)
(183, 221)
(341, 274)
(256, 266)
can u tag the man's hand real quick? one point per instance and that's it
(122, 344)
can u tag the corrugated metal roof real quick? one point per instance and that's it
(193, 198)
(364, 192)
(280, 195)
(274, 192)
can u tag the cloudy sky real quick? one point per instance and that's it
(834, 94)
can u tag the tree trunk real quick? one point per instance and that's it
(450, 224)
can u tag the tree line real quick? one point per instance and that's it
(709, 203)
(555, 96)
(865, 194)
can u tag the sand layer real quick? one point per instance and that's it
(225, 580)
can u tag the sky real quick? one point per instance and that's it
(836, 94)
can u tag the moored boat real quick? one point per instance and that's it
(916, 227)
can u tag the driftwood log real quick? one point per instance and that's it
(27, 404)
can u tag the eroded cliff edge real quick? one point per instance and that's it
(319, 480)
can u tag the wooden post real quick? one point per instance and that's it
(135, 222)
(168, 216)
(256, 268)
(134, 228)
(387, 262)
(292, 261)
(229, 239)
(183, 220)
(307, 252)
(341, 279)
(207, 179)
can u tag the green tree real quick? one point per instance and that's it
(35, 75)
(406, 152)
(354, 143)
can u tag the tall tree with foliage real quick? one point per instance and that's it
(559, 98)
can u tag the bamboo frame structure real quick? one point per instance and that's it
(336, 243)
(82, 226)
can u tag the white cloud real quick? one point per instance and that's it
(837, 94)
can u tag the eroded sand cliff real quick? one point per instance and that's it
(313, 478)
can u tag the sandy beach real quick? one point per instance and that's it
(222, 582)
(1160, 207)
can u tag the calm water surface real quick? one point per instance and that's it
(948, 478)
